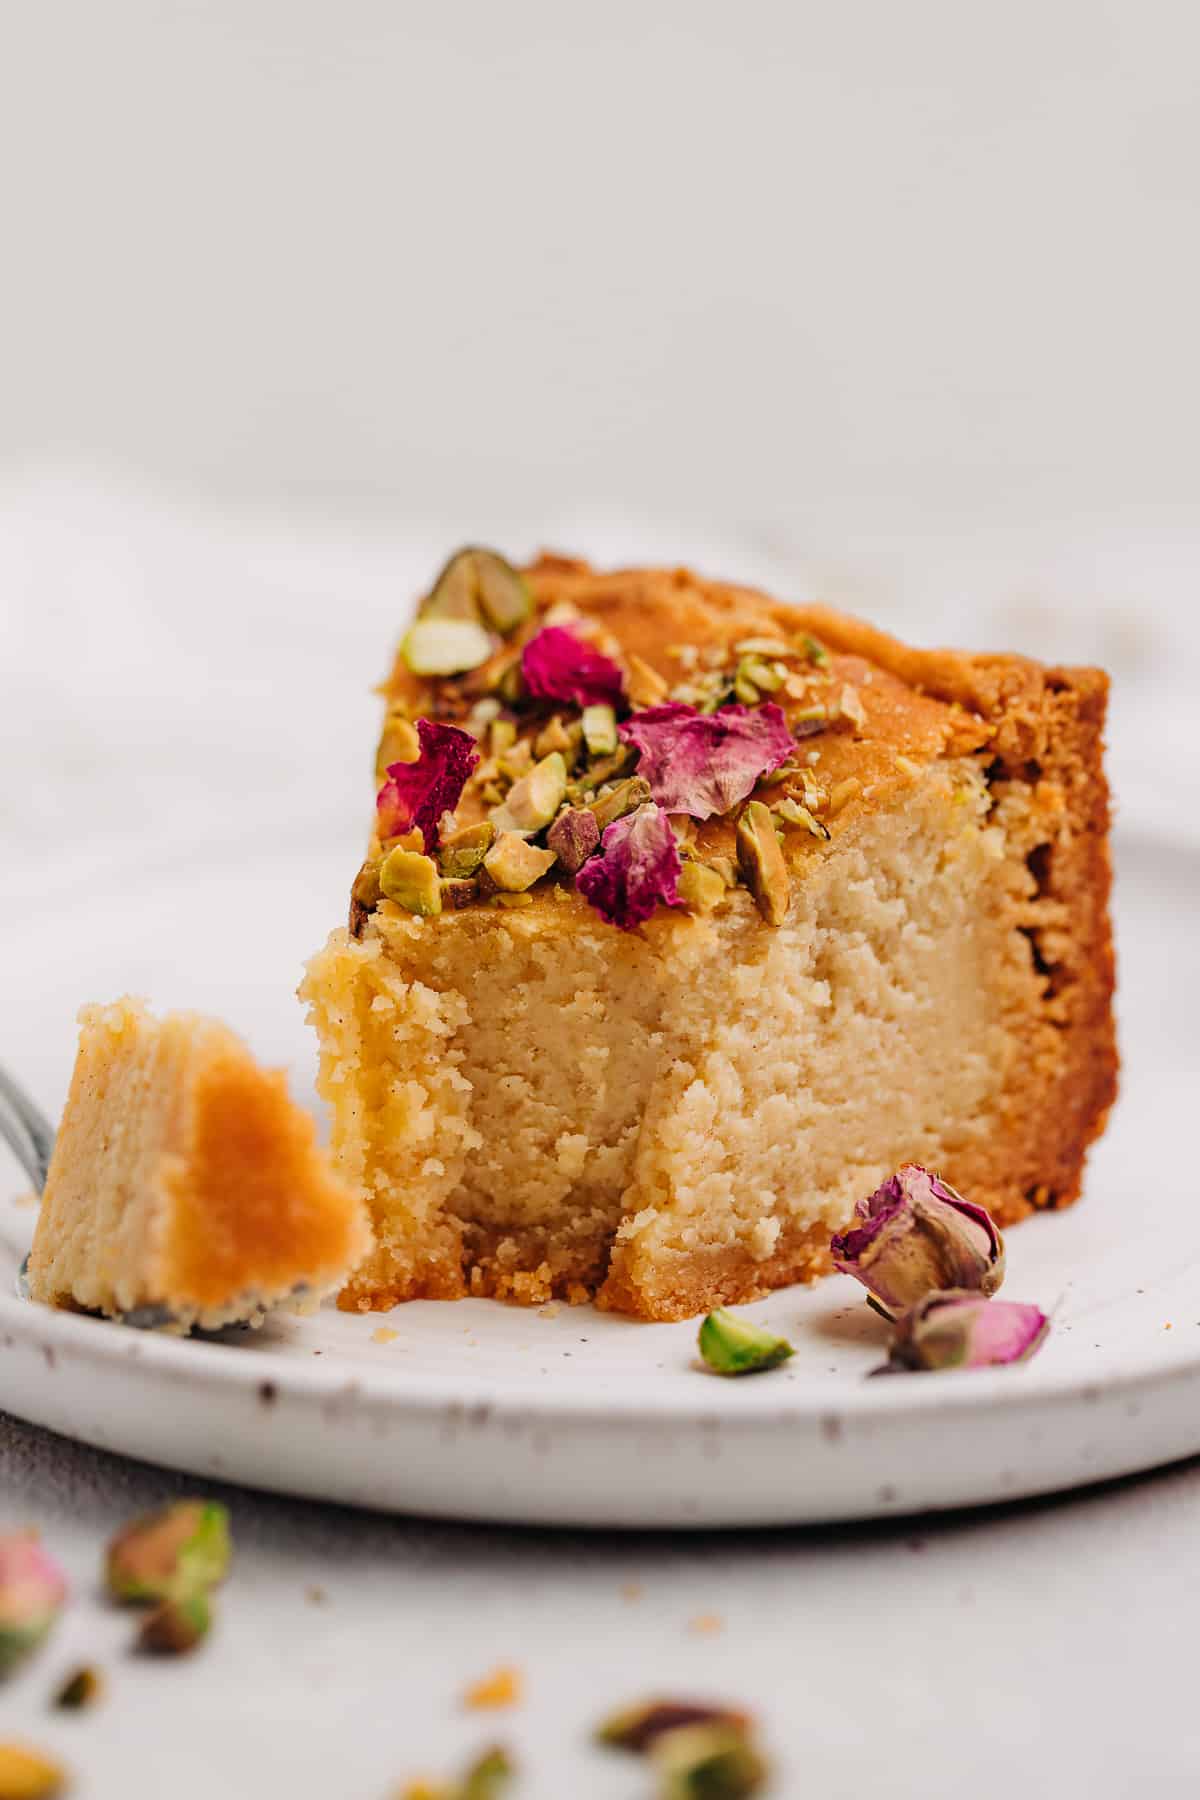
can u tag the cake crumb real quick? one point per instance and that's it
(631, 1592)
(551, 1310)
(502, 1688)
(384, 1335)
(706, 1625)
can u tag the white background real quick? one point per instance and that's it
(896, 304)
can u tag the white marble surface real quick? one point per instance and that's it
(175, 688)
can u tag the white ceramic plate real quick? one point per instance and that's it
(476, 1410)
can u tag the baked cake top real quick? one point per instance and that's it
(645, 739)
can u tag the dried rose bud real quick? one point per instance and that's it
(32, 1591)
(637, 1728)
(80, 1690)
(183, 1548)
(917, 1236)
(708, 1762)
(176, 1626)
(959, 1330)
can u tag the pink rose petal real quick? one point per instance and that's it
(559, 665)
(706, 763)
(636, 871)
(416, 794)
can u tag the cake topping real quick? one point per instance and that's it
(32, 1591)
(600, 730)
(574, 836)
(917, 1235)
(183, 1547)
(479, 584)
(513, 864)
(760, 860)
(638, 867)
(411, 881)
(445, 646)
(416, 794)
(463, 849)
(705, 763)
(960, 1330)
(700, 888)
(532, 802)
(733, 1346)
(558, 664)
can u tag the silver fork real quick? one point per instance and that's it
(25, 1129)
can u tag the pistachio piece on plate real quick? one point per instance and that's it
(177, 1625)
(733, 1346)
(185, 1546)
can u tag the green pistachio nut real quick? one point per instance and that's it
(398, 742)
(411, 880)
(176, 1625)
(514, 865)
(185, 1546)
(573, 837)
(732, 1346)
(624, 798)
(462, 851)
(488, 1778)
(445, 646)
(533, 800)
(761, 862)
(480, 584)
(700, 888)
(708, 1762)
(600, 730)
(80, 1690)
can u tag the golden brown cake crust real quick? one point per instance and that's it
(1037, 731)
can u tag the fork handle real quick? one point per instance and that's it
(25, 1129)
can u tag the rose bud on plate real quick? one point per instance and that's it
(959, 1330)
(32, 1591)
(915, 1236)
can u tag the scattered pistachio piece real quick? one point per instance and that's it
(766, 646)
(514, 865)
(708, 1762)
(488, 1776)
(625, 797)
(533, 801)
(32, 1591)
(907, 766)
(645, 686)
(463, 850)
(573, 837)
(186, 1546)
(761, 862)
(552, 736)
(398, 741)
(699, 887)
(26, 1774)
(445, 646)
(458, 891)
(600, 730)
(478, 582)
(725, 867)
(732, 1346)
(850, 706)
(176, 1625)
(815, 650)
(80, 1690)
(637, 1728)
(517, 760)
(841, 792)
(411, 880)
(502, 736)
(794, 814)
(482, 716)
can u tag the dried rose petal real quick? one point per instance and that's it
(957, 1330)
(32, 1591)
(416, 794)
(917, 1235)
(560, 665)
(638, 868)
(706, 763)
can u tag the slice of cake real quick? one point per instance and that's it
(185, 1187)
(689, 917)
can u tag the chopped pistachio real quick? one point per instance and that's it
(463, 850)
(842, 791)
(184, 1547)
(625, 797)
(638, 1728)
(502, 736)
(445, 646)
(815, 650)
(517, 760)
(515, 865)
(761, 674)
(795, 814)
(177, 1625)
(511, 901)
(398, 742)
(732, 1346)
(81, 1689)
(482, 715)
(708, 1762)
(458, 891)
(850, 706)
(765, 646)
(509, 681)
(725, 867)
(533, 801)
(761, 862)
(411, 880)
(552, 736)
(744, 689)
(600, 730)
(645, 686)
(907, 766)
(700, 888)
(480, 583)
(573, 837)
(26, 1774)
(488, 1776)
(491, 793)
